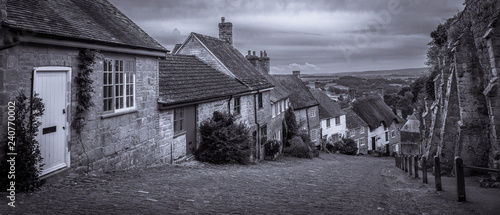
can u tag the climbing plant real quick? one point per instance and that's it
(84, 82)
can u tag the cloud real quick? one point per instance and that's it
(287, 69)
(304, 33)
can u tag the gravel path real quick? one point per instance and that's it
(331, 184)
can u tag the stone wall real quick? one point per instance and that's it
(107, 143)
(461, 121)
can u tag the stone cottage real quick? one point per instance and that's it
(383, 123)
(39, 53)
(333, 118)
(190, 91)
(219, 53)
(279, 95)
(357, 129)
(303, 104)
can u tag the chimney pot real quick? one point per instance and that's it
(253, 53)
(261, 53)
(222, 19)
(249, 52)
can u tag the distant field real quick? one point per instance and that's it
(412, 72)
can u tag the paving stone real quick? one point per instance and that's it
(337, 184)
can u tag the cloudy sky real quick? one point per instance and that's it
(320, 36)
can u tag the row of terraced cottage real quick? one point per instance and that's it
(149, 102)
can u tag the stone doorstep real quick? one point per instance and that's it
(56, 176)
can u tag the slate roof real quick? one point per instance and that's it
(237, 64)
(327, 107)
(89, 20)
(279, 92)
(185, 78)
(300, 96)
(373, 110)
(352, 119)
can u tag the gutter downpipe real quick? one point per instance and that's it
(257, 148)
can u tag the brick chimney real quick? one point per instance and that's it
(254, 60)
(226, 31)
(296, 73)
(264, 62)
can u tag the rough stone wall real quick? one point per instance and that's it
(128, 140)
(112, 143)
(461, 121)
(173, 146)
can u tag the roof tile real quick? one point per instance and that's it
(327, 107)
(185, 78)
(300, 97)
(235, 62)
(94, 20)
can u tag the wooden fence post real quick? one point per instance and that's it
(415, 165)
(459, 174)
(410, 165)
(424, 170)
(437, 173)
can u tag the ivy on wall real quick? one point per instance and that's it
(84, 86)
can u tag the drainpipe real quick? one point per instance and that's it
(307, 119)
(257, 149)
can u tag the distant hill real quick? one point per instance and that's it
(411, 72)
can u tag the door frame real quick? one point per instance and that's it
(67, 133)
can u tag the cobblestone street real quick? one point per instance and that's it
(331, 184)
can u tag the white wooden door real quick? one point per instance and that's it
(52, 87)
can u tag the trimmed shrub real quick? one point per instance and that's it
(348, 146)
(290, 125)
(332, 147)
(298, 148)
(272, 147)
(28, 161)
(223, 141)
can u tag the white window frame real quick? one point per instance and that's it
(124, 87)
(362, 130)
(328, 123)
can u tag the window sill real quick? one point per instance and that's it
(109, 115)
(180, 133)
